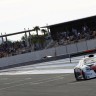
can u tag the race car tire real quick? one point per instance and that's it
(76, 76)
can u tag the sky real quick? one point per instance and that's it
(15, 15)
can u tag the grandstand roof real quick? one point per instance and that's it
(72, 21)
(75, 24)
(15, 33)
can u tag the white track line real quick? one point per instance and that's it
(54, 71)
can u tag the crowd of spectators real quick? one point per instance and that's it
(12, 48)
(75, 35)
(70, 36)
(9, 48)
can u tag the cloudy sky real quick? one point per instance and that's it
(15, 15)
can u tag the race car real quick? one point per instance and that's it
(86, 69)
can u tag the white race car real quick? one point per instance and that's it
(86, 69)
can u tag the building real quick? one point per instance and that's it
(78, 25)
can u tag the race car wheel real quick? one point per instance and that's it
(77, 76)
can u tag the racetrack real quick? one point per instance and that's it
(20, 82)
(46, 85)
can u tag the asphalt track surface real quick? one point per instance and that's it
(49, 84)
(46, 85)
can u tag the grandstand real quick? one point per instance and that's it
(73, 31)
(61, 34)
(7, 49)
